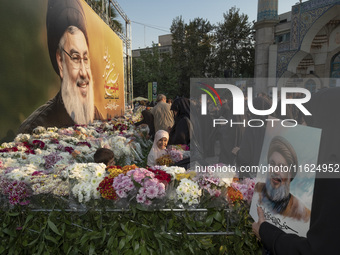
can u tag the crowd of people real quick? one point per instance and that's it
(242, 146)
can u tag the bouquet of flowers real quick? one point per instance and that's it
(17, 191)
(165, 160)
(243, 189)
(85, 179)
(178, 152)
(188, 192)
(140, 183)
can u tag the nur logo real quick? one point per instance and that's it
(204, 97)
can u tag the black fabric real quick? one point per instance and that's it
(51, 114)
(323, 236)
(252, 140)
(230, 136)
(179, 133)
(149, 120)
(60, 15)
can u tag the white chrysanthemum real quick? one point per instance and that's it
(83, 149)
(7, 145)
(172, 170)
(22, 138)
(36, 159)
(10, 162)
(52, 129)
(39, 130)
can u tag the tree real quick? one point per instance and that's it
(192, 46)
(154, 66)
(99, 6)
(234, 55)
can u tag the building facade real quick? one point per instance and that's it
(298, 48)
(164, 46)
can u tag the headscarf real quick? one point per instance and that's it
(182, 107)
(60, 15)
(156, 152)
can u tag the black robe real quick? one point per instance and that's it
(324, 233)
(51, 114)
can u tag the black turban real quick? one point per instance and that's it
(282, 146)
(60, 15)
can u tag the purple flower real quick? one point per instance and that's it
(51, 159)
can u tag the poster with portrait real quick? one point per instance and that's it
(286, 174)
(107, 64)
(29, 73)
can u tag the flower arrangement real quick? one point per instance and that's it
(178, 152)
(85, 179)
(245, 187)
(16, 191)
(188, 192)
(60, 162)
(165, 160)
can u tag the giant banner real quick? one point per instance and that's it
(36, 65)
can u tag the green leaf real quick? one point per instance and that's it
(144, 251)
(51, 238)
(209, 220)
(121, 244)
(238, 232)
(104, 235)
(13, 214)
(28, 219)
(171, 222)
(53, 227)
(136, 247)
(217, 226)
(33, 242)
(9, 232)
(218, 216)
(110, 242)
(92, 249)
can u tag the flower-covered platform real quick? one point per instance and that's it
(55, 199)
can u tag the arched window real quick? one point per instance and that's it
(335, 70)
(311, 86)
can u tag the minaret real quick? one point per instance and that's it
(267, 18)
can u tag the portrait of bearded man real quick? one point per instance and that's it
(69, 53)
(275, 194)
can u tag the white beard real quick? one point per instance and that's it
(277, 194)
(80, 109)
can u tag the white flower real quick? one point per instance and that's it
(22, 138)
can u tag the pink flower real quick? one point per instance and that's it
(142, 190)
(138, 176)
(152, 192)
(121, 193)
(148, 202)
(140, 198)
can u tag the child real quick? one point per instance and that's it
(159, 147)
(105, 156)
